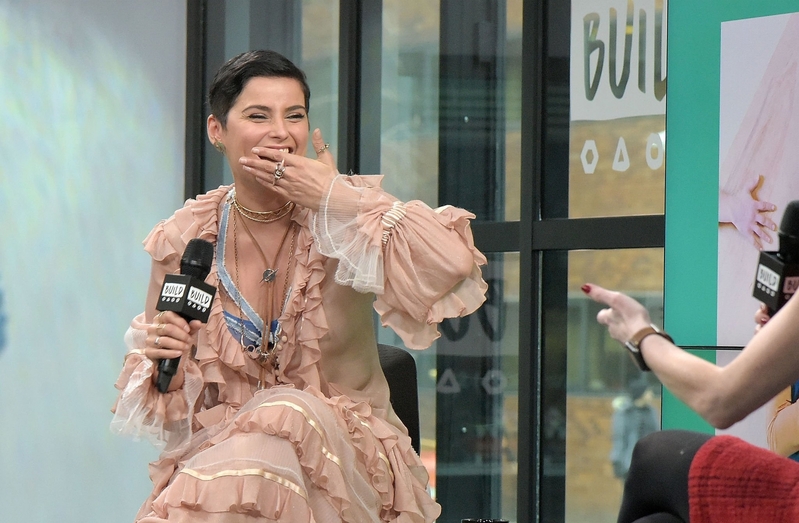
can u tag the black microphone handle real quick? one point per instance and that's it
(195, 264)
(167, 368)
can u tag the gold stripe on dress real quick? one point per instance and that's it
(248, 472)
(311, 422)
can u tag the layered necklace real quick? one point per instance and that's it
(265, 353)
(262, 216)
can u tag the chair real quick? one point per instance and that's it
(400, 370)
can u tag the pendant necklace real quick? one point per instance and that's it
(265, 353)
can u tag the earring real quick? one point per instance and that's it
(219, 146)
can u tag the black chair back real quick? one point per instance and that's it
(400, 370)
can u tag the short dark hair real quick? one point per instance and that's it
(234, 74)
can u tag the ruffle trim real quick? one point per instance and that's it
(198, 218)
(348, 227)
(398, 474)
(241, 494)
(304, 319)
(463, 299)
(140, 410)
(402, 494)
(225, 366)
(219, 354)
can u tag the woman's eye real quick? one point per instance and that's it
(257, 116)
(296, 117)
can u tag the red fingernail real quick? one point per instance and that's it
(586, 288)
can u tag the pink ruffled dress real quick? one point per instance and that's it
(297, 445)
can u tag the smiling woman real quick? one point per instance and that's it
(280, 408)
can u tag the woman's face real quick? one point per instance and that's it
(269, 112)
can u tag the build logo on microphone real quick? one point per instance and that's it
(199, 299)
(768, 281)
(172, 292)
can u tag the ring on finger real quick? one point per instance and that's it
(323, 148)
(279, 171)
(157, 341)
(160, 328)
(158, 316)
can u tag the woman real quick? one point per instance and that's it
(684, 476)
(280, 409)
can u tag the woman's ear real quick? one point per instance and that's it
(214, 129)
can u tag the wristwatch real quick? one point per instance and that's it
(634, 345)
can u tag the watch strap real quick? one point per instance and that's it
(634, 344)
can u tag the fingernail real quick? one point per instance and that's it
(586, 288)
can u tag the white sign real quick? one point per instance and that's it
(618, 59)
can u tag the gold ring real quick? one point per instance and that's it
(323, 148)
(160, 328)
(158, 316)
(156, 343)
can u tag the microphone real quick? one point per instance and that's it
(188, 295)
(777, 276)
(778, 271)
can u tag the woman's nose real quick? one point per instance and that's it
(278, 128)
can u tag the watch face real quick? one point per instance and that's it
(631, 346)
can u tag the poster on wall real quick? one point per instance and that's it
(732, 123)
(758, 157)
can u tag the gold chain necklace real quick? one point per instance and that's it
(265, 353)
(262, 216)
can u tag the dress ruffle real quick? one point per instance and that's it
(142, 412)
(323, 445)
(396, 473)
(414, 316)
(411, 299)
(219, 355)
(245, 495)
(304, 318)
(297, 405)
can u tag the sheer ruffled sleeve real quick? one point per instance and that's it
(143, 412)
(421, 263)
(140, 410)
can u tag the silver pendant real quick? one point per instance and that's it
(269, 275)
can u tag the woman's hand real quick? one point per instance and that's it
(761, 317)
(623, 317)
(170, 336)
(749, 215)
(303, 180)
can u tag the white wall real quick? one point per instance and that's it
(92, 97)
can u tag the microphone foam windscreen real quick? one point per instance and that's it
(789, 226)
(197, 258)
